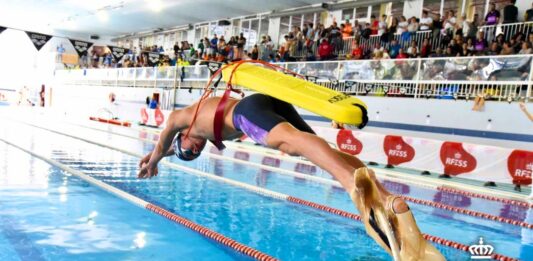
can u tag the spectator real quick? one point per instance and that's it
(382, 25)
(357, 52)
(437, 53)
(393, 27)
(425, 22)
(335, 37)
(201, 48)
(449, 24)
(413, 25)
(271, 58)
(356, 29)
(176, 48)
(426, 48)
(255, 53)
(310, 57)
(374, 25)
(507, 49)
(394, 48)
(480, 45)
(402, 26)
(465, 27)
(347, 32)
(474, 27)
(510, 13)
(325, 50)
(402, 55)
(495, 49)
(412, 51)
(528, 17)
(214, 45)
(500, 39)
(465, 51)
(526, 48)
(493, 16)
(437, 26)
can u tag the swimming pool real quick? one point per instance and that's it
(279, 228)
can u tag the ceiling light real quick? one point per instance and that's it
(102, 15)
(155, 5)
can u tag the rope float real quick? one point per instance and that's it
(277, 195)
(219, 238)
(487, 197)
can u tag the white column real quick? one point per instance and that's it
(273, 29)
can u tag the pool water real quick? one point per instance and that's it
(278, 228)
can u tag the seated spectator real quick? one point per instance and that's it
(494, 49)
(449, 52)
(325, 50)
(449, 23)
(402, 25)
(385, 54)
(480, 44)
(518, 40)
(510, 13)
(255, 53)
(465, 51)
(493, 16)
(425, 22)
(394, 48)
(402, 55)
(412, 27)
(526, 48)
(437, 53)
(357, 52)
(310, 56)
(271, 58)
(412, 51)
(470, 46)
(507, 49)
(528, 16)
(426, 48)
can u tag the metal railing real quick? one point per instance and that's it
(436, 39)
(502, 78)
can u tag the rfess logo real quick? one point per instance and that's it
(520, 166)
(397, 150)
(456, 159)
(481, 251)
(348, 143)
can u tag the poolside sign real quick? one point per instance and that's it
(481, 251)
(456, 159)
(397, 150)
(346, 142)
(520, 166)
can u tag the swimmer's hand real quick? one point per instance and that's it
(147, 170)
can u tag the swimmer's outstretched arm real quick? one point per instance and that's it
(177, 121)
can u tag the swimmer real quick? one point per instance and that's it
(276, 124)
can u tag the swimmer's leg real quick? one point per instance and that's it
(387, 219)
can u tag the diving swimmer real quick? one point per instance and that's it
(276, 124)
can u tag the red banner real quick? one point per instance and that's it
(348, 143)
(456, 159)
(520, 166)
(397, 150)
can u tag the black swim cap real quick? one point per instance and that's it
(185, 155)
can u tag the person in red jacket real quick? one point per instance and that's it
(357, 52)
(402, 54)
(325, 50)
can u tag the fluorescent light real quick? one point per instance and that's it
(155, 5)
(102, 15)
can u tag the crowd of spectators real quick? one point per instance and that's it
(452, 36)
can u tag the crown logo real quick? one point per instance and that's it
(349, 141)
(481, 251)
(398, 147)
(458, 155)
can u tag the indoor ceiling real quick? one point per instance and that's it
(119, 17)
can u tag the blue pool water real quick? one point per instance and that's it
(281, 229)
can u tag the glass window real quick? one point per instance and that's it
(361, 13)
(283, 28)
(264, 27)
(376, 11)
(347, 14)
(397, 9)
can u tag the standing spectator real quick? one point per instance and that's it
(437, 26)
(241, 43)
(347, 32)
(425, 22)
(425, 51)
(528, 17)
(464, 27)
(493, 16)
(176, 48)
(201, 48)
(214, 45)
(393, 27)
(474, 27)
(510, 13)
(325, 50)
(335, 37)
(356, 29)
(449, 24)
(413, 26)
(374, 25)
(382, 25)
(255, 53)
(394, 48)
(402, 25)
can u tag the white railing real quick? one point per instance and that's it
(504, 78)
(508, 30)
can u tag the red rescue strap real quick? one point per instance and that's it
(218, 124)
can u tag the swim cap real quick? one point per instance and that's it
(186, 155)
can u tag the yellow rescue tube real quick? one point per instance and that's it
(328, 103)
